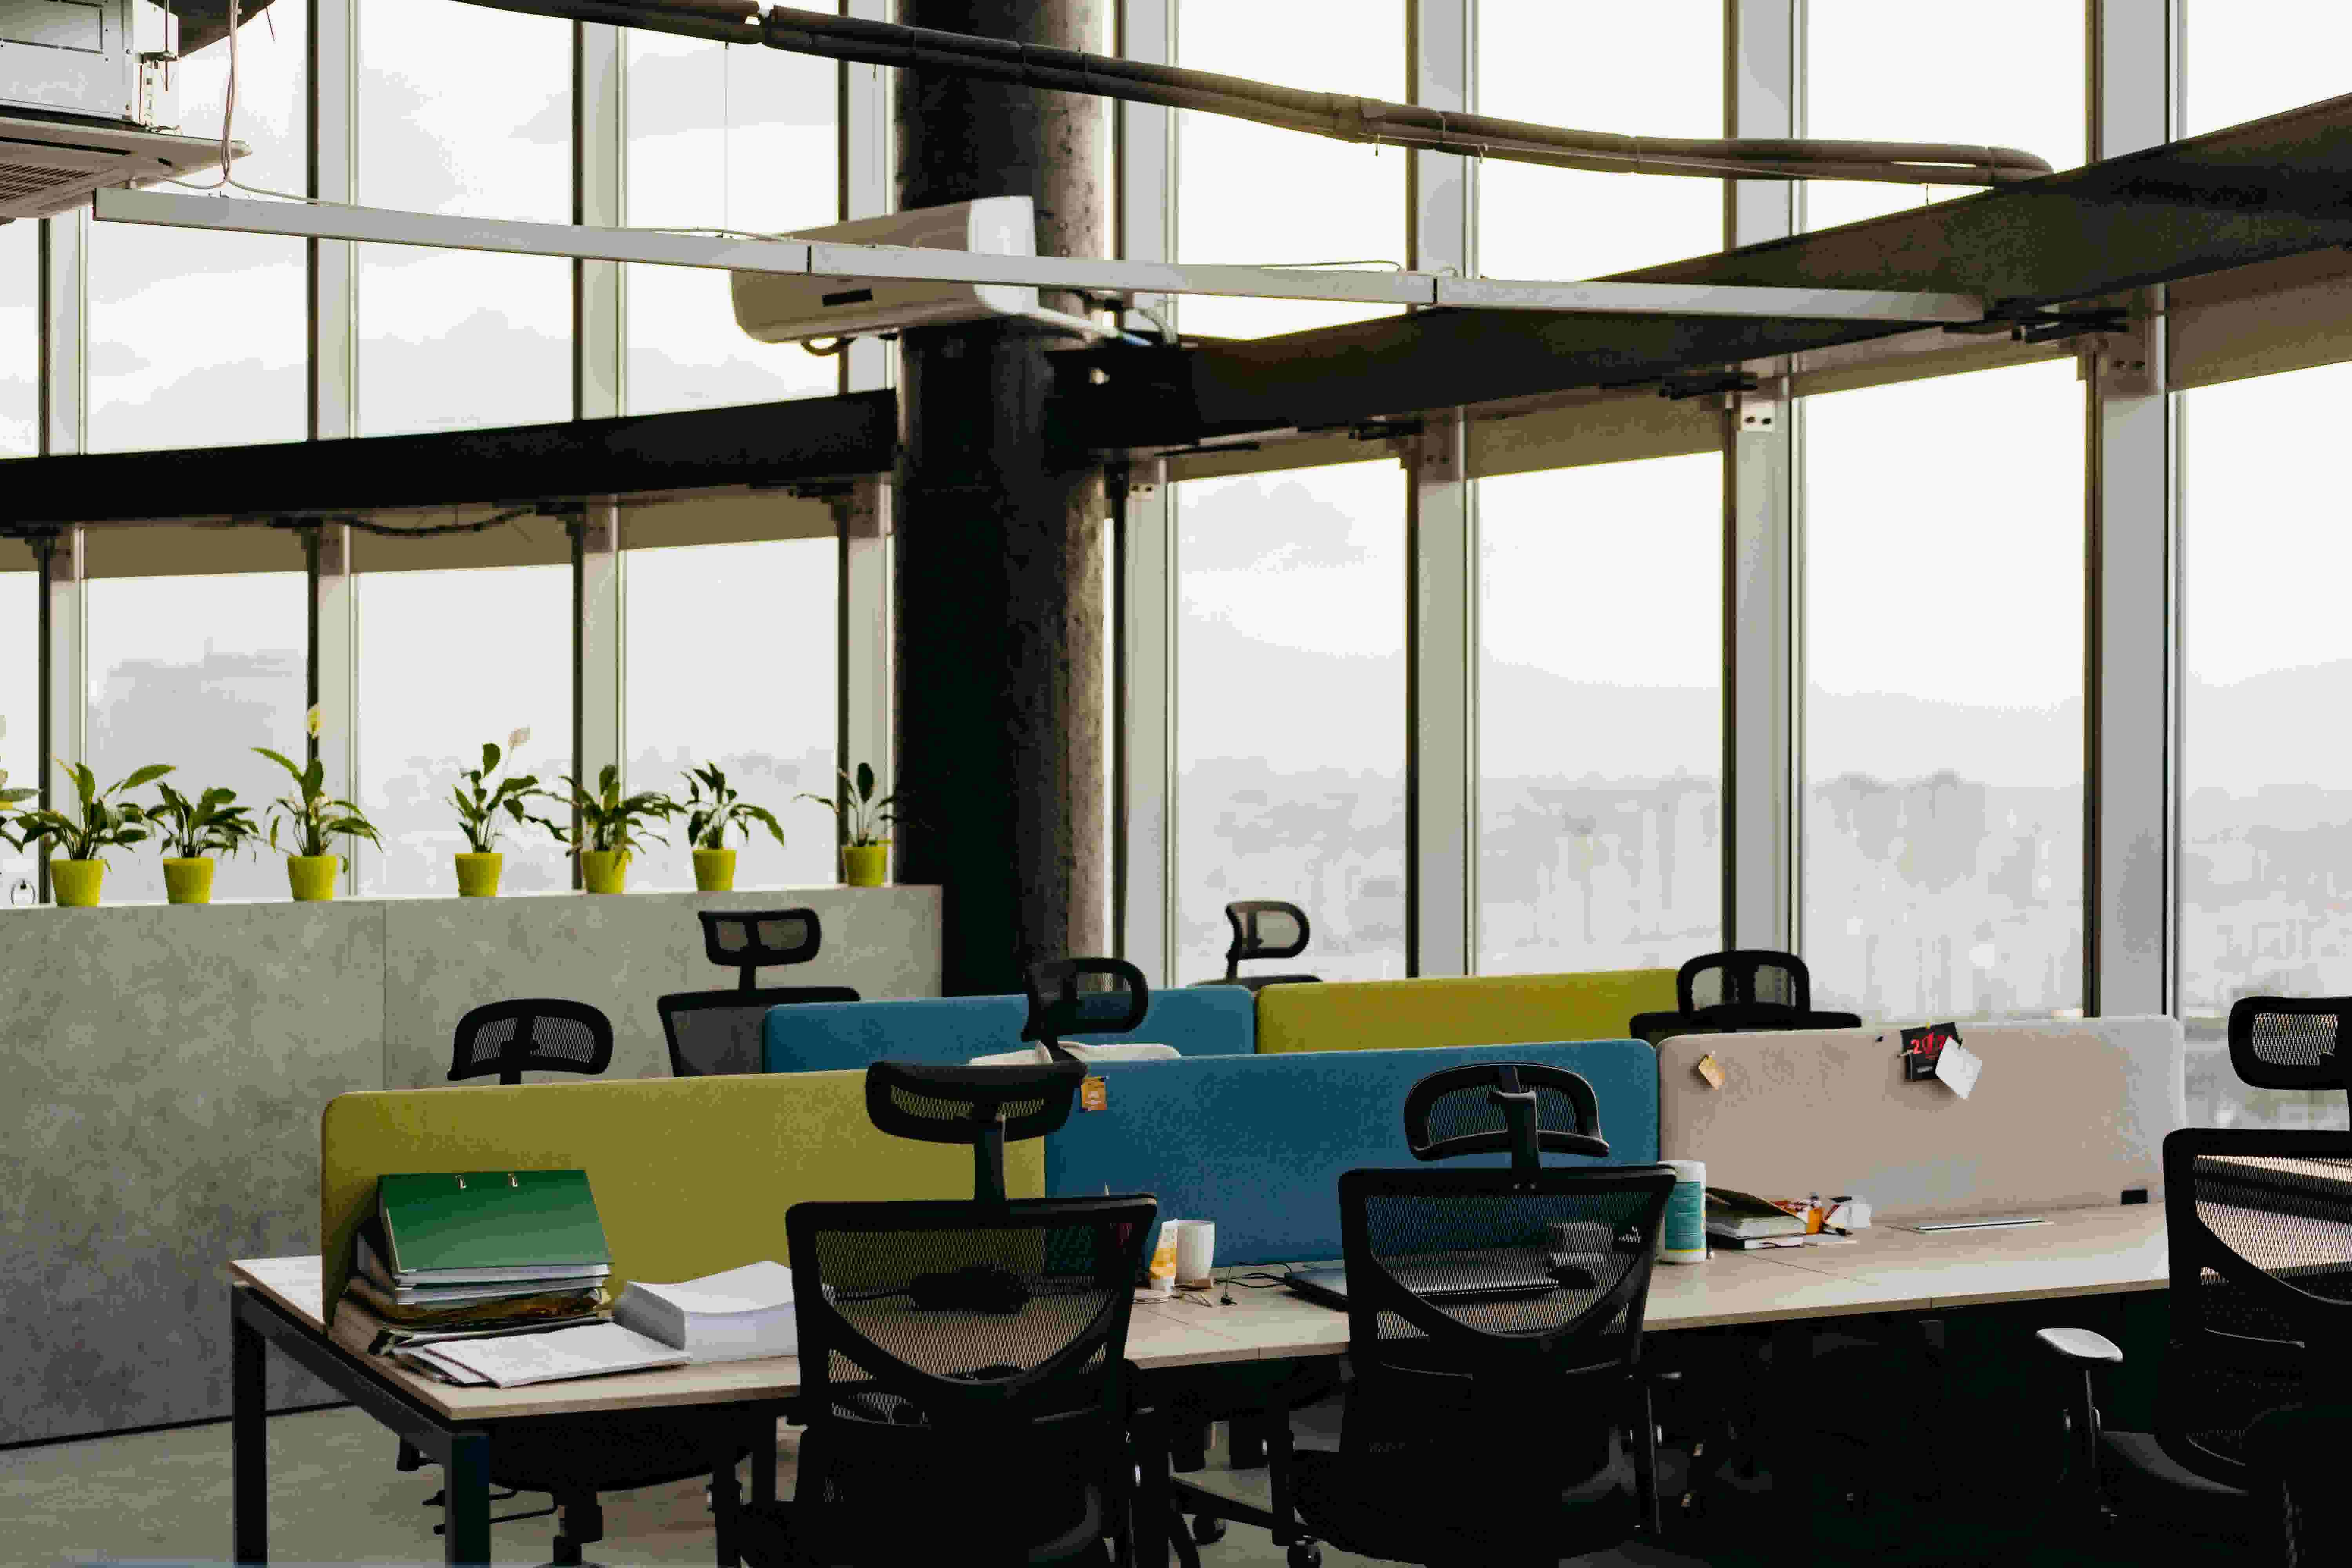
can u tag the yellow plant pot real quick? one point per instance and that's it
(714, 870)
(865, 865)
(75, 882)
(603, 870)
(188, 882)
(478, 875)
(313, 876)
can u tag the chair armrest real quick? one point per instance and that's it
(2080, 1347)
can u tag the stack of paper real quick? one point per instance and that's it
(510, 1361)
(738, 1315)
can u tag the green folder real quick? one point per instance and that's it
(460, 1227)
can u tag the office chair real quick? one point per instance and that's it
(1486, 1425)
(2301, 1450)
(535, 1034)
(1521, 1108)
(1744, 975)
(1264, 928)
(747, 941)
(2292, 1043)
(942, 1429)
(986, 1107)
(1735, 1018)
(1082, 996)
(716, 1032)
(2259, 1229)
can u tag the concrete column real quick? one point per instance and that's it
(999, 550)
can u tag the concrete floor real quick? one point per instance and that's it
(335, 1497)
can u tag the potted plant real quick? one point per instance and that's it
(610, 826)
(10, 800)
(479, 805)
(311, 819)
(75, 872)
(864, 853)
(712, 808)
(190, 832)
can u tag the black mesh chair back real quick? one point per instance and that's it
(2259, 1228)
(1082, 997)
(1481, 1426)
(537, 1033)
(986, 1107)
(1264, 928)
(2300, 1451)
(1744, 975)
(963, 1374)
(1735, 1018)
(748, 940)
(2292, 1042)
(715, 1032)
(1515, 1108)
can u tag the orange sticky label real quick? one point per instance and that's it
(1094, 1094)
(1710, 1069)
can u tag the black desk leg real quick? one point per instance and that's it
(248, 1441)
(1154, 1499)
(466, 1505)
(763, 1461)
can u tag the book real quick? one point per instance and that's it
(359, 1328)
(595, 1350)
(367, 1263)
(1743, 1217)
(470, 1227)
(537, 1307)
(738, 1315)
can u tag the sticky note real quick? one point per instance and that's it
(1958, 1066)
(1710, 1069)
(1094, 1094)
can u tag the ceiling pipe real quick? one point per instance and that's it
(1341, 116)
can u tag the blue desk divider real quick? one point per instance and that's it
(824, 1037)
(1256, 1143)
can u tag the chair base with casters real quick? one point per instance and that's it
(1256, 1402)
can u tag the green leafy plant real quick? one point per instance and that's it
(212, 824)
(310, 815)
(861, 815)
(481, 804)
(610, 820)
(104, 822)
(10, 800)
(712, 807)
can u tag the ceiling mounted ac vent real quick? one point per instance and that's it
(46, 168)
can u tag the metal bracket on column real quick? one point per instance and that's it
(2125, 363)
(1762, 408)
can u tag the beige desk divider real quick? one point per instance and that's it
(2066, 1114)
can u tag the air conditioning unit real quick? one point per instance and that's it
(84, 92)
(782, 307)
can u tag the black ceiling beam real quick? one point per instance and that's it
(757, 444)
(2253, 193)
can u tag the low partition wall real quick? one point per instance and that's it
(166, 1068)
(1478, 1010)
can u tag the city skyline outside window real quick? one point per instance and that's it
(2267, 778)
(448, 659)
(700, 618)
(203, 340)
(1943, 653)
(722, 137)
(1599, 740)
(456, 338)
(20, 340)
(1290, 711)
(1339, 201)
(1655, 70)
(198, 693)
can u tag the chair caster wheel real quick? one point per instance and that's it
(1305, 1554)
(1207, 1529)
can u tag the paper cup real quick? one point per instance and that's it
(1196, 1251)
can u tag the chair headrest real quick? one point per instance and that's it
(1084, 996)
(1266, 928)
(937, 1103)
(2291, 1042)
(1462, 1110)
(758, 939)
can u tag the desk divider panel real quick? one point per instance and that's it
(2066, 1114)
(1257, 1143)
(690, 1175)
(1399, 1014)
(1210, 1020)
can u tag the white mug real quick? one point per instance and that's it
(1196, 1249)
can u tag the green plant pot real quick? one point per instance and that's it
(478, 875)
(75, 882)
(313, 876)
(188, 882)
(603, 870)
(714, 870)
(865, 865)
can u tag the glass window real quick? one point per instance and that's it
(732, 138)
(2248, 59)
(732, 651)
(201, 340)
(463, 109)
(1336, 201)
(197, 671)
(1600, 723)
(1943, 740)
(20, 340)
(448, 659)
(1875, 72)
(1290, 719)
(20, 708)
(2266, 774)
(1650, 70)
